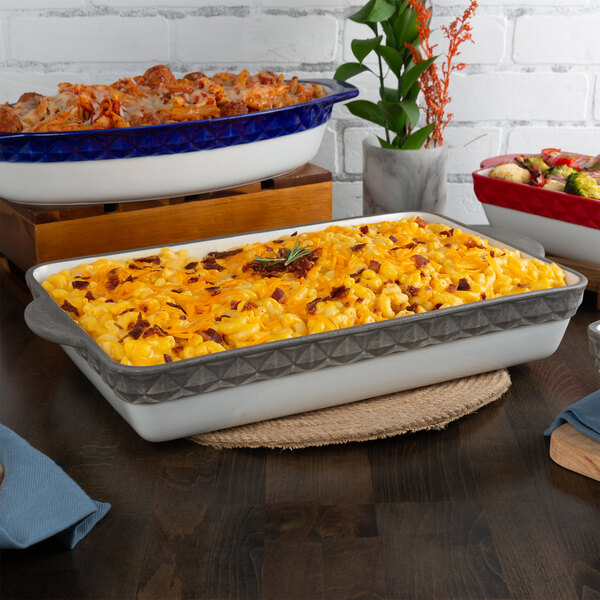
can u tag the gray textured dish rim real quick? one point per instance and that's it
(594, 341)
(89, 348)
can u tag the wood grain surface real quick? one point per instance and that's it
(478, 510)
(32, 234)
(573, 450)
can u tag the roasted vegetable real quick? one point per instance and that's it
(511, 172)
(535, 161)
(562, 171)
(582, 185)
(554, 184)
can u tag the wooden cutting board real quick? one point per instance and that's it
(575, 451)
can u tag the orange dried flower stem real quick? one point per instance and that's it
(433, 85)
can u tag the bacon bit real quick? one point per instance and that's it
(364, 229)
(132, 266)
(249, 305)
(210, 265)
(225, 254)
(154, 258)
(144, 308)
(109, 300)
(522, 285)
(340, 291)
(89, 295)
(360, 299)
(412, 290)
(393, 238)
(312, 305)
(221, 317)
(130, 278)
(483, 296)
(447, 245)
(420, 222)
(126, 311)
(177, 290)
(176, 306)
(177, 349)
(82, 276)
(448, 232)
(418, 241)
(357, 274)
(167, 358)
(463, 285)
(135, 333)
(375, 265)
(211, 335)
(235, 304)
(193, 279)
(471, 243)
(191, 265)
(420, 260)
(452, 288)
(214, 290)
(409, 246)
(294, 234)
(413, 307)
(80, 285)
(492, 253)
(154, 330)
(67, 306)
(278, 241)
(138, 328)
(357, 247)
(278, 294)
(112, 281)
(437, 306)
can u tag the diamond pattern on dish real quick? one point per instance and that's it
(318, 351)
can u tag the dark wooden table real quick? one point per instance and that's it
(475, 511)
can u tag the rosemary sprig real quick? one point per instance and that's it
(295, 253)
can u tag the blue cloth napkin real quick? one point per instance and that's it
(583, 415)
(38, 500)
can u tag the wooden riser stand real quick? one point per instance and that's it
(32, 234)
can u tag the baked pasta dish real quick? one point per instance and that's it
(170, 306)
(154, 98)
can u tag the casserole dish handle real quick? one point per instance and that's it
(38, 316)
(594, 341)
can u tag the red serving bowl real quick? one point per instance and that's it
(566, 225)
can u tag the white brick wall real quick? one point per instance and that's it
(274, 39)
(533, 78)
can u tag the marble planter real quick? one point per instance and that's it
(403, 180)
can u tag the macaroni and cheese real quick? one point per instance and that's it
(169, 306)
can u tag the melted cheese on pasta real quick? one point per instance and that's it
(156, 97)
(170, 306)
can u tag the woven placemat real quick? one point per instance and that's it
(430, 407)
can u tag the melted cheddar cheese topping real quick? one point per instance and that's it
(170, 306)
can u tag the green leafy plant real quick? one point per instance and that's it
(395, 29)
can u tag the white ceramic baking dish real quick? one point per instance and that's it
(316, 371)
(160, 161)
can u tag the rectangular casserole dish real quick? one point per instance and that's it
(566, 225)
(316, 371)
(160, 161)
